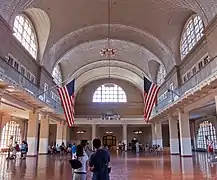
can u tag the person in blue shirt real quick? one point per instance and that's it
(99, 162)
(73, 151)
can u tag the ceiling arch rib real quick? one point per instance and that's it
(87, 53)
(118, 32)
(106, 63)
(102, 73)
(42, 25)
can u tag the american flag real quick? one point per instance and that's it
(67, 98)
(150, 96)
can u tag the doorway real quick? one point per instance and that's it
(109, 141)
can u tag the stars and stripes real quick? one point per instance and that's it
(67, 97)
(150, 96)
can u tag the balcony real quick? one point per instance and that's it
(13, 77)
(203, 77)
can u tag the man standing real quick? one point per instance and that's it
(99, 162)
(73, 151)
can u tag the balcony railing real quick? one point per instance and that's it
(15, 78)
(196, 79)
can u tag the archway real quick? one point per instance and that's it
(11, 133)
(206, 132)
(109, 141)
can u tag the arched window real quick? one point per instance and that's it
(192, 33)
(161, 74)
(109, 93)
(206, 133)
(57, 75)
(10, 134)
(25, 33)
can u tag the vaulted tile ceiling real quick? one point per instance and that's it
(72, 32)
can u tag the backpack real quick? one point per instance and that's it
(17, 148)
(75, 163)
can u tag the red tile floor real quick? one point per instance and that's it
(125, 166)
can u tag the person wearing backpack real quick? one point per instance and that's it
(81, 162)
(99, 162)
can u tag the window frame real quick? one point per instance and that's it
(26, 17)
(206, 128)
(10, 128)
(184, 33)
(59, 78)
(161, 74)
(105, 94)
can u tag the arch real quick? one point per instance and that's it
(191, 34)
(122, 32)
(107, 63)
(11, 132)
(206, 132)
(57, 74)
(26, 34)
(102, 73)
(109, 93)
(89, 52)
(42, 26)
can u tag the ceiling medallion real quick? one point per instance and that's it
(108, 52)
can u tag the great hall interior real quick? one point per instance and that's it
(108, 47)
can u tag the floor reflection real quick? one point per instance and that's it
(125, 166)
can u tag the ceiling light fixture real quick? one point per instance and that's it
(108, 51)
(81, 132)
(109, 132)
(138, 132)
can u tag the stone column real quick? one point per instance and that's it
(185, 137)
(125, 136)
(153, 134)
(65, 132)
(174, 139)
(32, 133)
(44, 135)
(59, 135)
(158, 133)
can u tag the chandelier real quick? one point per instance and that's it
(108, 52)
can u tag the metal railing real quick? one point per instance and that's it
(196, 79)
(16, 79)
(9, 74)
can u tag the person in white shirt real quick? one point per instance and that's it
(137, 147)
(80, 173)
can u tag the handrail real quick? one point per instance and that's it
(14, 77)
(195, 80)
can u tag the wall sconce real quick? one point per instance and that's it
(138, 132)
(109, 132)
(81, 132)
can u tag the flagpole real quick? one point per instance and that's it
(52, 87)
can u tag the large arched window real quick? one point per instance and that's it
(161, 74)
(206, 133)
(57, 75)
(192, 33)
(10, 134)
(109, 93)
(25, 33)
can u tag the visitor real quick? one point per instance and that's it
(73, 151)
(23, 150)
(99, 162)
(16, 149)
(137, 147)
(80, 173)
(210, 150)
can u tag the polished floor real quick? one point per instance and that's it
(125, 166)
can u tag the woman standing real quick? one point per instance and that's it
(80, 173)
